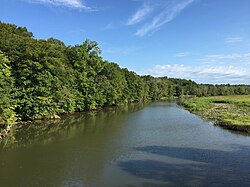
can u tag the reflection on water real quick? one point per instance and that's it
(46, 131)
(70, 152)
(153, 145)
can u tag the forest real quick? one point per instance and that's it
(45, 78)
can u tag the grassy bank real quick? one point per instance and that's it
(232, 112)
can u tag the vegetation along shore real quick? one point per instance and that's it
(231, 112)
(42, 79)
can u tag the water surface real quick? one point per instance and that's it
(159, 144)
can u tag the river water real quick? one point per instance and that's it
(159, 144)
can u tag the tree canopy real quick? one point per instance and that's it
(44, 78)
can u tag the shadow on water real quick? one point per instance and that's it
(145, 184)
(201, 167)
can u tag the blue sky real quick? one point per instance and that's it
(207, 41)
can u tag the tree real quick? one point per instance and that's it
(7, 114)
(43, 78)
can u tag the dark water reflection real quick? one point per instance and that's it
(70, 125)
(154, 145)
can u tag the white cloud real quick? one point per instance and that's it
(234, 39)
(141, 14)
(77, 4)
(216, 69)
(203, 74)
(167, 12)
(233, 57)
(182, 54)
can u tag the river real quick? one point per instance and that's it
(159, 144)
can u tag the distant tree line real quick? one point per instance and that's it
(45, 78)
(181, 87)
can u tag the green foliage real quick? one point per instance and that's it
(43, 78)
(229, 111)
(197, 104)
(7, 114)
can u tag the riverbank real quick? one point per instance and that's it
(4, 131)
(230, 112)
(115, 147)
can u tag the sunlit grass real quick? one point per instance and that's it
(223, 110)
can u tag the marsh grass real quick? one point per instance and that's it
(228, 111)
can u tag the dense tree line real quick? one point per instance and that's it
(45, 78)
(180, 87)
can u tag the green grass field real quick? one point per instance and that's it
(228, 111)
